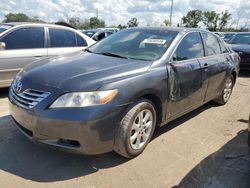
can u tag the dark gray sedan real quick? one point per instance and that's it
(113, 95)
(240, 43)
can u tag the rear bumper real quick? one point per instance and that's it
(90, 133)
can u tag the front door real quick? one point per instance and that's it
(23, 46)
(186, 86)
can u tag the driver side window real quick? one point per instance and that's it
(24, 38)
(190, 47)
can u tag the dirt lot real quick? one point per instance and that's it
(206, 148)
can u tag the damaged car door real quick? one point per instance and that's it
(186, 86)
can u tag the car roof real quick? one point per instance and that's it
(242, 33)
(230, 33)
(33, 24)
(178, 29)
(93, 30)
(20, 24)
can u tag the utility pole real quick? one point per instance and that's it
(97, 12)
(171, 12)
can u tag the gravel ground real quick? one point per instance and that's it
(205, 148)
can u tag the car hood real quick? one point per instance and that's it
(82, 71)
(240, 47)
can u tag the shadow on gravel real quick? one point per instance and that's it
(23, 158)
(229, 167)
(181, 120)
(3, 92)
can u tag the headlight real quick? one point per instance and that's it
(83, 99)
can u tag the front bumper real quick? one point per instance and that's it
(87, 130)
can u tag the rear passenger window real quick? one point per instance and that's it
(190, 47)
(223, 47)
(62, 38)
(24, 38)
(80, 41)
(212, 44)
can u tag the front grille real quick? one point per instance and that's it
(28, 98)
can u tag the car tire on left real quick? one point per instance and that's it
(136, 129)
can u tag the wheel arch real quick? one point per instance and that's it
(157, 102)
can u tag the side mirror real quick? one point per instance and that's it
(96, 38)
(2, 46)
(174, 58)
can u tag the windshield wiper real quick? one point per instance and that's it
(113, 55)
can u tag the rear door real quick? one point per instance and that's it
(62, 41)
(214, 65)
(186, 86)
(23, 46)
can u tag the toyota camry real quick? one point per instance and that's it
(113, 95)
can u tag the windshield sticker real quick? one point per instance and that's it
(154, 41)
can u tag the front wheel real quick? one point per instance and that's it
(136, 129)
(226, 92)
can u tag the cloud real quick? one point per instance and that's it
(114, 12)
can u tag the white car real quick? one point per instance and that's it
(23, 43)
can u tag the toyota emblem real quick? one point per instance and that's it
(19, 87)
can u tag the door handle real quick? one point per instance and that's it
(205, 65)
(38, 57)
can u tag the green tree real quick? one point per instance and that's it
(224, 18)
(94, 22)
(19, 17)
(75, 22)
(133, 22)
(166, 22)
(193, 18)
(210, 20)
(120, 26)
(85, 24)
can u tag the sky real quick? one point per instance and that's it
(148, 12)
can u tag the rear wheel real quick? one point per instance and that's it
(226, 92)
(136, 129)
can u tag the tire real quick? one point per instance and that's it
(136, 129)
(226, 91)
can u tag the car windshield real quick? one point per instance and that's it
(228, 36)
(240, 39)
(4, 28)
(141, 44)
(89, 33)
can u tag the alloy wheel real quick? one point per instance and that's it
(141, 129)
(228, 89)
